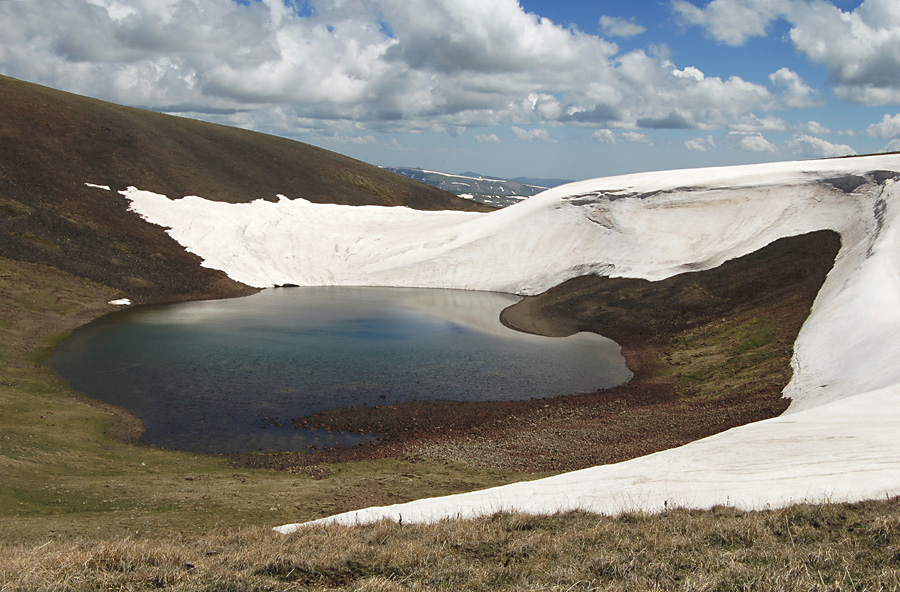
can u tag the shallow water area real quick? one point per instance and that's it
(229, 376)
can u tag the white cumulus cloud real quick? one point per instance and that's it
(755, 123)
(538, 133)
(888, 127)
(363, 140)
(793, 92)
(748, 142)
(860, 48)
(604, 136)
(812, 147)
(862, 51)
(703, 144)
(637, 138)
(388, 65)
(614, 26)
(813, 128)
(733, 21)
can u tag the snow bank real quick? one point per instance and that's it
(841, 421)
(844, 451)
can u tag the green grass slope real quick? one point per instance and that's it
(81, 508)
(66, 465)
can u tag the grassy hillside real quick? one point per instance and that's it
(804, 549)
(66, 250)
(84, 508)
(52, 143)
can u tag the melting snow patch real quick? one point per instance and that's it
(95, 186)
(839, 440)
(121, 302)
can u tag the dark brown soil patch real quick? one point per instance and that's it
(709, 350)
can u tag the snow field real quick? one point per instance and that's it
(839, 439)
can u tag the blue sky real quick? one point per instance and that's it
(540, 88)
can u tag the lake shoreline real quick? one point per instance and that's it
(649, 413)
(639, 417)
(709, 351)
(228, 376)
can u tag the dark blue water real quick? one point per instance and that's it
(230, 375)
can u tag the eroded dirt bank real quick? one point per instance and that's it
(709, 350)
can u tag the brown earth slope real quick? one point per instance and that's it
(52, 143)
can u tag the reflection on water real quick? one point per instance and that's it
(229, 375)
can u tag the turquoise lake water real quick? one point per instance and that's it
(230, 375)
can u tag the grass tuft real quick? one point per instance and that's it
(721, 359)
(10, 208)
(807, 547)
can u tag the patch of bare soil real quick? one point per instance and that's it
(709, 350)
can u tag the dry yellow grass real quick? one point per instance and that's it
(812, 547)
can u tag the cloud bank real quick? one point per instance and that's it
(350, 74)
(405, 65)
(860, 48)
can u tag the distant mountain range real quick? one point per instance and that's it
(492, 191)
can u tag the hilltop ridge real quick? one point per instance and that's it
(53, 142)
(490, 190)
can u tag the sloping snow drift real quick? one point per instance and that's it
(840, 438)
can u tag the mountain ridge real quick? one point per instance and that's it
(53, 143)
(486, 189)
